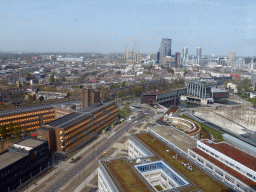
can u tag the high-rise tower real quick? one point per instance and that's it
(185, 52)
(165, 49)
(198, 52)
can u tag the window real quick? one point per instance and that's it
(248, 174)
(200, 160)
(209, 166)
(163, 177)
(243, 188)
(219, 172)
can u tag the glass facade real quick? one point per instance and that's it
(165, 49)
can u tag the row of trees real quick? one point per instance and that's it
(138, 89)
(52, 78)
(10, 131)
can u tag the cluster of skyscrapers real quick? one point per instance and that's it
(164, 56)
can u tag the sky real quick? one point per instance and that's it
(106, 26)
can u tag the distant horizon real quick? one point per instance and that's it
(107, 26)
(71, 53)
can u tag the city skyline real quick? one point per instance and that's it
(102, 26)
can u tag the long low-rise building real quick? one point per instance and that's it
(163, 97)
(229, 164)
(31, 118)
(166, 159)
(157, 161)
(71, 131)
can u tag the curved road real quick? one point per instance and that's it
(67, 176)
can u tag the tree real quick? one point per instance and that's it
(63, 78)
(41, 98)
(185, 72)
(52, 79)
(3, 131)
(28, 75)
(17, 130)
(104, 93)
(138, 90)
(123, 84)
(170, 70)
(30, 97)
(11, 128)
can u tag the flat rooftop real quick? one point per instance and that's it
(75, 117)
(233, 153)
(126, 176)
(226, 168)
(164, 91)
(215, 90)
(68, 120)
(9, 157)
(30, 142)
(176, 137)
(129, 179)
(200, 179)
(36, 107)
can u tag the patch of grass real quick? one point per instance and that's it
(126, 176)
(159, 188)
(216, 134)
(200, 179)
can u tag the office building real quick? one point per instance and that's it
(157, 57)
(69, 132)
(232, 58)
(185, 52)
(165, 49)
(22, 162)
(232, 55)
(28, 119)
(198, 53)
(177, 59)
(129, 56)
(229, 164)
(139, 58)
(163, 97)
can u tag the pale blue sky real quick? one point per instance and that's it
(106, 25)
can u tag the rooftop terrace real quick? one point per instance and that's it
(199, 178)
(176, 137)
(126, 176)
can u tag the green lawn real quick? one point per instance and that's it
(216, 134)
(159, 188)
(126, 176)
(200, 179)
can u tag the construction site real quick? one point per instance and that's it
(238, 119)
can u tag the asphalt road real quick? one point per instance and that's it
(66, 177)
